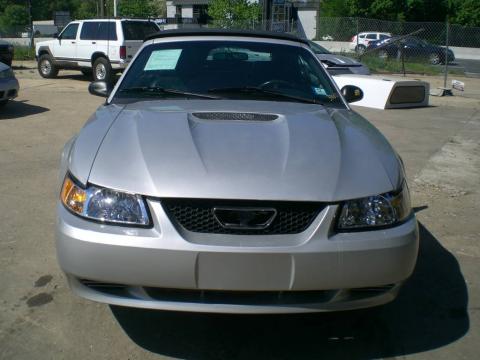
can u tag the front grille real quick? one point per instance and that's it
(235, 116)
(235, 297)
(240, 297)
(197, 215)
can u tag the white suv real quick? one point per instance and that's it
(364, 38)
(103, 47)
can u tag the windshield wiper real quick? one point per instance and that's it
(259, 90)
(155, 90)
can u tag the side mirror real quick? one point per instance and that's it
(352, 93)
(55, 36)
(99, 88)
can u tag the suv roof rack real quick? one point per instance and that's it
(224, 32)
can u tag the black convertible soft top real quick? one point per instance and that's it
(223, 32)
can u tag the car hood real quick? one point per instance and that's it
(308, 153)
(338, 59)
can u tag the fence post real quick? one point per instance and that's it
(30, 23)
(447, 35)
(357, 37)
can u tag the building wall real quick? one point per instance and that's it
(187, 11)
(308, 21)
(170, 9)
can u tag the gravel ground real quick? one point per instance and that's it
(435, 317)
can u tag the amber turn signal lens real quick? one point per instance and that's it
(72, 196)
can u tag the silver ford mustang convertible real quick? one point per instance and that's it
(227, 173)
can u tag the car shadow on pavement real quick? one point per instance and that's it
(79, 76)
(18, 109)
(430, 312)
(82, 77)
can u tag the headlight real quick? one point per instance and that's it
(104, 205)
(375, 211)
(5, 74)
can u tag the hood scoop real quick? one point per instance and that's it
(234, 116)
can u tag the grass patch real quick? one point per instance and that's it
(381, 66)
(23, 53)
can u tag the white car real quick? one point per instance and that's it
(359, 43)
(101, 46)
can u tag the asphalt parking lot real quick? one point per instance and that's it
(437, 315)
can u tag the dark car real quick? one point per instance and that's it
(413, 48)
(338, 64)
(6, 52)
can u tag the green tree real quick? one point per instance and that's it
(466, 12)
(86, 9)
(409, 10)
(14, 15)
(385, 9)
(141, 8)
(334, 8)
(233, 13)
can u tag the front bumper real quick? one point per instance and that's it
(162, 268)
(120, 65)
(8, 89)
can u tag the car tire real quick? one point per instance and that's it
(360, 49)
(434, 59)
(102, 70)
(383, 54)
(46, 67)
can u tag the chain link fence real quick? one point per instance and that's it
(286, 26)
(23, 38)
(428, 48)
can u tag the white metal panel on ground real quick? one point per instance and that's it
(387, 92)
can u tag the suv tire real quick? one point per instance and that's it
(46, 67)
(102, 70)
(434, 59)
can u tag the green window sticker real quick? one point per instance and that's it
(319, 91)
(163, 60)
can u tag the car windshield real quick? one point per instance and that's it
(227, 70)
(317, 49)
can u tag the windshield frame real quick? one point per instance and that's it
(341, 103)
(313, 46)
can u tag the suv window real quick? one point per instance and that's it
(99, 30)
(70, 32)
(138, 30)
(107, 31)
(89, 31)
(383, 37)
(372, 36)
